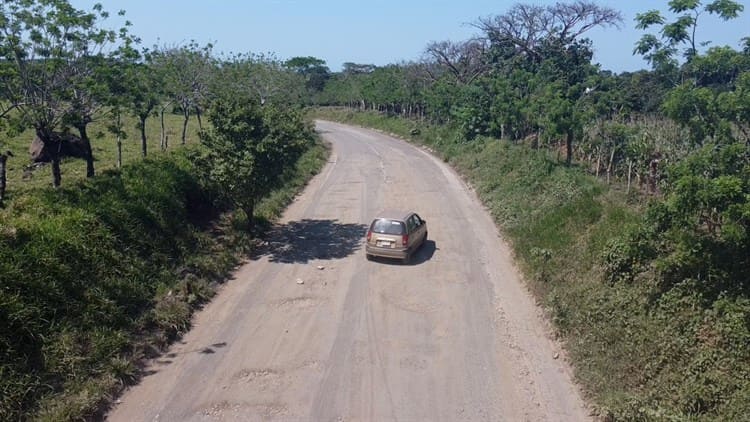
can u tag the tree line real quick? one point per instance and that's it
(528, 77)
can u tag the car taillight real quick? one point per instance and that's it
(369, 235)
(404, 239)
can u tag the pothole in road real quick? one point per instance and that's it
(413, 362)
(411, 304)
(262, 379)
(226, 410)
(300, 302)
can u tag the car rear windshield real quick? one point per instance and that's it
(385, 226)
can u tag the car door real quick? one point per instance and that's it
(411, 230)
(416, 234)
(422, 227)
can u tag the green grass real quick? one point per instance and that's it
(638, 352)
(103, 144)
(104, 272)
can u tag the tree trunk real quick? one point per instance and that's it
(144, 144)
(653, 176)
(630, 173)
(249, 210)
(119, 143)
(198, 116)
(610, 167)
(53, 146)
(163, 142)
(569, 148)
(3, 162)
(186, 114)
(89, 152)
(56, 173)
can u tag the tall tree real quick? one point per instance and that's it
(248, 148)
(660, 51)
(314, 72)
(143, 91)
(546, 44)
(463, 61)
(186, 71)
(271, 81)
(525, 28)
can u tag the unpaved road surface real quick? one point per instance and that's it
(452, 336)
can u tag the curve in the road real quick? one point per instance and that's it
(308, 330)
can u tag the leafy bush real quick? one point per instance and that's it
(702, 228)
(79, 267)
(248, 149)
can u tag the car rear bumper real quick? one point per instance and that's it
(386, 252)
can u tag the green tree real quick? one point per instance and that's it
(141, 91)
(697, 109)
(660, 50)
(249, 147)
(259, 78)
(735, 106)
(186, 73)
(231, 143)
(525, 29)
(314, 72)
(542, 53)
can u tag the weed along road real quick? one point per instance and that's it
(312, 331)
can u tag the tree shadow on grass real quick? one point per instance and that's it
(306, 240)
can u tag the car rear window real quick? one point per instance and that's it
(385, 226)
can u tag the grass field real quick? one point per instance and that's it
(103, 144)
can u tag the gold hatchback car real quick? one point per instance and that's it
(395, 234)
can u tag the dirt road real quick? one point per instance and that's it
(452, 336)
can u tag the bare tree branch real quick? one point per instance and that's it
(465, 61)
(525, 27)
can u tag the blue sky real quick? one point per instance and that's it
(373, 32)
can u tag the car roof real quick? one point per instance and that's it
(392, 214)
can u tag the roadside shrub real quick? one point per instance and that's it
(98, 275)
(79, 267)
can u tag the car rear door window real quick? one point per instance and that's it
(410, 225)
(385, 226)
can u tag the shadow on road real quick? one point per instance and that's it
(306, 240)
(422, 255)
